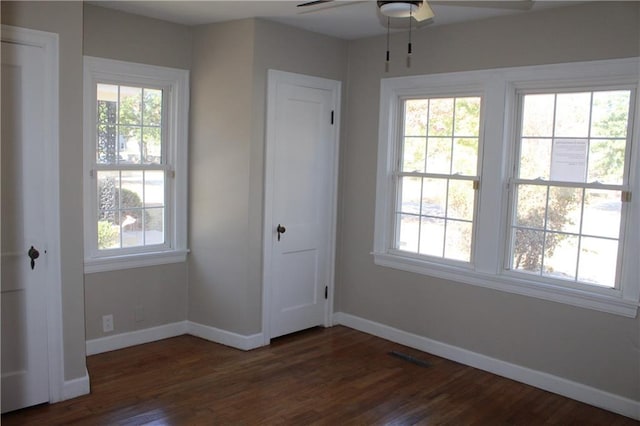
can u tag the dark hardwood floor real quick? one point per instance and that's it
(335, 376)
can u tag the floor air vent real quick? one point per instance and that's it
(409, 358)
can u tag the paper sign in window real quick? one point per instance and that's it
(569, 160)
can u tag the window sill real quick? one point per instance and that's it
(129, 261)
(612, 303)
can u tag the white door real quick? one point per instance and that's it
(302, 136)
(25, 374)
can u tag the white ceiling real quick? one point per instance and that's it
(343, 19)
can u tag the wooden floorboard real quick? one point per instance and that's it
(335, 376)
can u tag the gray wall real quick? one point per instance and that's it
(159, 293)
(597, 349)
(123, 36)
(220, 132)
(65, 19)
(227, 159)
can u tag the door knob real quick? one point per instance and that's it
(281, 230)
(33, 255)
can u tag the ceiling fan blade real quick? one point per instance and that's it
(492, 4)
(313, 3)
(333, 5)
(424, 12)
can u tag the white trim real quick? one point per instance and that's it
(139, 260)
(49, 43)
(274, 78)
(176, 83)
(77, 387)
(138, 337)
(227, 338)
(500, 88)
(152, 334)
(561, 386)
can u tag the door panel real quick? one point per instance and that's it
(24, 308)
(303, 166)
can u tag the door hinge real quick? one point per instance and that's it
(326, 291)
(332, 117)
(626, 196)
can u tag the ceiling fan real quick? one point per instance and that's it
(416, 9)
(420, 9)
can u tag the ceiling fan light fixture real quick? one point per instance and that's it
(398, 9)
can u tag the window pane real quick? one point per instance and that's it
(602, 212)
(130, 105)
(531, 205)
(131, 190)
(410, 200)
(527, 250)
(107, 149)
(154, 226)
(560, 256)
(152, 145)
(569, 159)
(441, 117)
(537, 114)
(432, 237)
(461, 199)
(465, 156)
(610, 114)
(154, 188)
(535, 158)
(434, 197)
(572, 114)
(458, 240)
(467, 119)
(563, 211)
(598, 259)
(131, 227)
(439, 155)
(108, 213)
(606, 161)
(152, 108)
(413, 154)
(107, 96)
(129, 145)
(408, 233)
(415, 120)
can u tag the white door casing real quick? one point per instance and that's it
(301, 171)
(32, 357)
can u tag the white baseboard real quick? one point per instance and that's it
(76, 387)
(580, 392)
(226, 338)
(138, 337)
(124, 340)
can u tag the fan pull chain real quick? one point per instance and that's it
(386, 64)
(409, 46)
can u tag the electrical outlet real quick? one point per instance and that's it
(107, 323)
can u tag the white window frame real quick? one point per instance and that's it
(441, 92)
(175, 83)
(500, 88)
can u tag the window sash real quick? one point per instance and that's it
(515, 182)
(398, 174)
